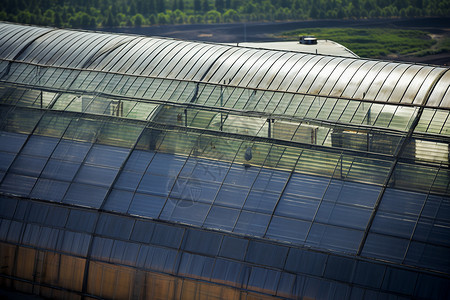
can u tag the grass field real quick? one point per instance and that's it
(380, 42)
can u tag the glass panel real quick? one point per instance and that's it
(266, 254)
(142, 231)
(385, 247)
(168, 236)
(261, 201)
(146, 205)
(221, 218)
(185, 212)
(297, 207)
(331, 237)
(231, 196)
(252, 223)
(107, 156)
(233, 247)
(52, 190)
(290, 230)
(202, 242)
(81, 220)
(85, 195)
(307, 262)
(115, 226)
(118, 200)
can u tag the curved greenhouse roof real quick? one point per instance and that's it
(325, 76)
(227, 170)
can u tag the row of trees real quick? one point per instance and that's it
(111, 13)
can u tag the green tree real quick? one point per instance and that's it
(220, 5)
(138, 20)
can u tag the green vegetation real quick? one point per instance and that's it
(378, 42)
(108, 13)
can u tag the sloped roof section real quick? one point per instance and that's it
(325, 76)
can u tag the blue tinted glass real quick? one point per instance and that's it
(331, 237)
(252, 223)
(203, 242)
(369, 274)
(37, 213)
(297, 207)
(307, 262)
(107, 156)
(240, 175)
(385, 247)
(81, 220)
(286, 229)
(400, 281)
(75, 243)
(266, 254)
(5, 160)
(114, 226)
(142, 231)
(168, 236)
(101, 248)
(11, 142)
(166, 164)
(261, 201)
(138, 161)
(28, 165)
(316, 288)
(57, 216)
(271, 180)
(263, 279)
(352, 193)
(227, 271)
(96, 175)
(85, 195)
(156, 185)
(146, 205)
(221, 218)
(393, 224)
(192, 189)
(285, 286)
(40, 146)
(185, 211)
(71, 151)
(15, 231)
(306, 185)
(196, 266)
(431, 287)
(444, 209)
(7, 207)
(156, 258)
(339, 268)
(428, 256)
(343, 215)
(402, 202)
(231, 196)
(62, 170)
(123, 252)
(437, 207)
(51, 190)
(436, 232)
(205, 170)
(17, 184)
(128, 181)
(118, 200)
(233, 247)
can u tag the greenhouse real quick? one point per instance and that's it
(134, 167)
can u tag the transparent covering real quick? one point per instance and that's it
(260, 170)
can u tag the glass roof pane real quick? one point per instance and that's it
(359, 84)
(437, 96)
